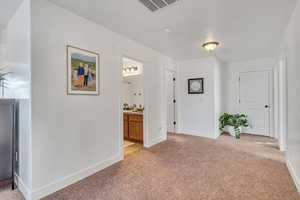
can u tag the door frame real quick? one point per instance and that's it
(145, 112)
(271, 96)
(281, 106)
(165, 100)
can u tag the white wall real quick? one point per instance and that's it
(219, 107)
(133, 89)
(2, 54)
(68, 143)
(231, 78)
(280, 102)
(17, 59)
(2, 48)
(126, 92)
(199, 112)
(291, 51)
(17, 52)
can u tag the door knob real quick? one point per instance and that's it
(266, 106)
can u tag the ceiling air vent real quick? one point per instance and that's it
(154, 5)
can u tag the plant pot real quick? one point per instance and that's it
(235, 133)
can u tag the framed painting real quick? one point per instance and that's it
(196, 86)
(83, 71)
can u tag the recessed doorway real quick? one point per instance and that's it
(255, 100)
(133, 105)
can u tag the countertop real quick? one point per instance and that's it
(132, 112)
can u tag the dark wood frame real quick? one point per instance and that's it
(189, 85)
(98, 74)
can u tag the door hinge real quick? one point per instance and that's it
(239, 101)
(239, 78)
(174, 101)
(174, 123)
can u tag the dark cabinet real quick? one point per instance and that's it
(136, 130)
(133, 127)
(125, 126)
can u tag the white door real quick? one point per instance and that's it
(170, 84)
(254, 101)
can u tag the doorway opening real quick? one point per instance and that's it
(255, 99)
(133, 104)
(170, 84)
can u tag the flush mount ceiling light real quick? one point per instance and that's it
(210, 46)
(167, 30)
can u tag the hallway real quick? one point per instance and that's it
(188, 167)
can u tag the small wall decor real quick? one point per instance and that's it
(196, 86)
(83, 71)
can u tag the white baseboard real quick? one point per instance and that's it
(216, 137)
(23, 188)
(192, 133)
(293, 174)
(73, 178)
(156, 141)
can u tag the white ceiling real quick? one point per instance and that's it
(246, 29)
(7, 10)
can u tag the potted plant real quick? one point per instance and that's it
(2, 80)
(235, 121)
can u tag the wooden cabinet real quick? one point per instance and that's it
(133, 127)
(125, 126)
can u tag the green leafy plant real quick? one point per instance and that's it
(2, 75)
(235, 120)
(2, 80)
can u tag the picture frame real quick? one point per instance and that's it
(82, 71)
(196, 86)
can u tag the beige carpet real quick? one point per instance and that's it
(7, 194)
(261, 146)
(192, 168)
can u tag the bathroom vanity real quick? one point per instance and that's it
(133, 126)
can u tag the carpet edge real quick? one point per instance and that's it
(293, 174)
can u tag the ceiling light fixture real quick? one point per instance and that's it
(210, 46)
(167, 30)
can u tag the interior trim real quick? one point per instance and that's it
(294, 176)
(23, 187)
